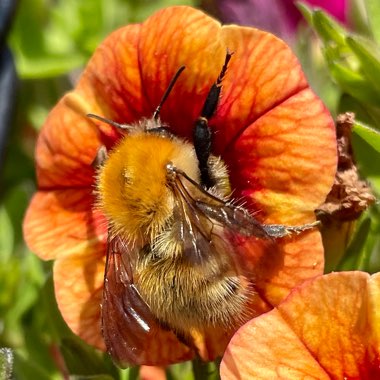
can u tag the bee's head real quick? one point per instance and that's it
(134, 186)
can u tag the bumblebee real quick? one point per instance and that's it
(171, 258)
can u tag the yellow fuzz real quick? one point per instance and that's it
(132, 185)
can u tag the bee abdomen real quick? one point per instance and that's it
(185, 302)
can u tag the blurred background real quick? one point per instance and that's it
(44, 44)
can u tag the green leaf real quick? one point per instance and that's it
(180, 371)
(25, 369)
(205, 371)
(80, 358)
(369, 57)
(358, 18)
(6, 236)
(373, 13)
(367, 160)
(368, 134)
(48, 66)
(328, 29)
(306, 11)
(91, 377)
(363, 112)
(355, 252)
(363, 251)
(354, 84)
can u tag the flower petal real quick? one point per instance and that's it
(285, 162)
(262, 74)
(69, 140)
(66, 148)
(329, 315)
(78, 282)
(152, 373)
(327, 318)
(194, 40)
(61, 222)
(374, 324)
(280, 266)
(212, 342)
(111, 82)
(267, 348)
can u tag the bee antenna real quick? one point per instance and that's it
(108, 121)
(156, 113)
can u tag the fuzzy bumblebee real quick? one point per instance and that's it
(171, 259)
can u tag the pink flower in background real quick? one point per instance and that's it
(280, 17)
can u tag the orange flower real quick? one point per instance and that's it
(274, 134)
(328, 328)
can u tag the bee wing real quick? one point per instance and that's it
(129, 328)
(234, 218)
(206, 206)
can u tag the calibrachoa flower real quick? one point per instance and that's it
(328, 328)
(274, 134)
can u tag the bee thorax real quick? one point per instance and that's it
(133, 185)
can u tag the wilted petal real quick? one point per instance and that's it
(329, 322)
(61, 222)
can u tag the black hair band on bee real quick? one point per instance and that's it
(202, 133)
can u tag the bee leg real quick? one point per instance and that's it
(202, 133)
(187, 340)
(100, 158)
(279, 230)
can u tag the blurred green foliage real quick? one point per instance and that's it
(352, 60)
(59, 38)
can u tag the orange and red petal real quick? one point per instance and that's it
(268, 125)
(61, 222)
(66, 148)
(78, 282)
(112, 82)
(285, 162)
(110, 86)
(278, 267)
(374, 320)
(263, 73)
(171, 38)
(152, 373)
(273, 132)
(327, 328)
(267, 348)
